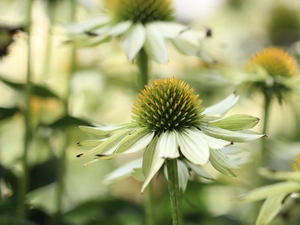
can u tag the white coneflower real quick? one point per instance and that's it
(169, 122)
(141, 25)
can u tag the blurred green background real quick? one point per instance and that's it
(74, 86)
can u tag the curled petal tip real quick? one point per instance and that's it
(78, 143)
(79, 155)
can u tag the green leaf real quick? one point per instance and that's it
(37, 89)
(8, 112)
(68, 121)
(270, 209)
(236, 122)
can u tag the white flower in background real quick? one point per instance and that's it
(275, 195)
(168, 122)
(141, 25)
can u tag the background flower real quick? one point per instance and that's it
(142, 24)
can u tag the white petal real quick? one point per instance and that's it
(108, 146)
(155, 45)
(102, 30)
(199, 171)
(215, 143)
(141, 143)
(280, 175)
(270, 208)
(136, 140)
(151, 162)
(167, 145)
(84, 26)
(236, 136)
(183, 175)
(222, 107)
(102, 130)
(122, 172)
(187, 43)
(133, 40)
(221, 163)
(170, 29)
(119, 28)
(193, 146)
(273, 189)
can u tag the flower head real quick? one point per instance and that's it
(273, 71)
(142, 24)
(169, 122)
(275, 61)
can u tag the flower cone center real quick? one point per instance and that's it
(166, 105)
(141, 10)
(275, 61)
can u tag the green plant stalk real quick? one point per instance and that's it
(143, 77)
(143, 65)
(63, 155)
(150, 205)
(21, 210)
(174, 191)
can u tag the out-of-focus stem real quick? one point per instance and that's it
(23, 185)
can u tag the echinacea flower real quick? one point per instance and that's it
(142, 25)
(273, 71)
(169, 122)
(275, 195)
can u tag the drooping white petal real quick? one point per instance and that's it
(193, 146)
(222, 107)
(119, 28)
(170, 29)
(133, 40)
(188, 42)
(102, 130)
(151, 162)
(135, 141)
(221, 163)
(280, 175)
(183, 174)
(155, 45)
(108, 146)
(198, 170)
(84, 26)
(236, 136)
(266, 191)
(90, 143)
(236, 122)
(167, 145)
(122, 172)
(271, 207)
(215, 143)
(102, 30)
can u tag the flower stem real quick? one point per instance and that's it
(63, 156)
(23, 186)
(143, 65)
(150, 220)
(174, 191)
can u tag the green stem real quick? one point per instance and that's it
(23, 187)
(63, 156)
(150, 220)
(143, 65)
(174, 191)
